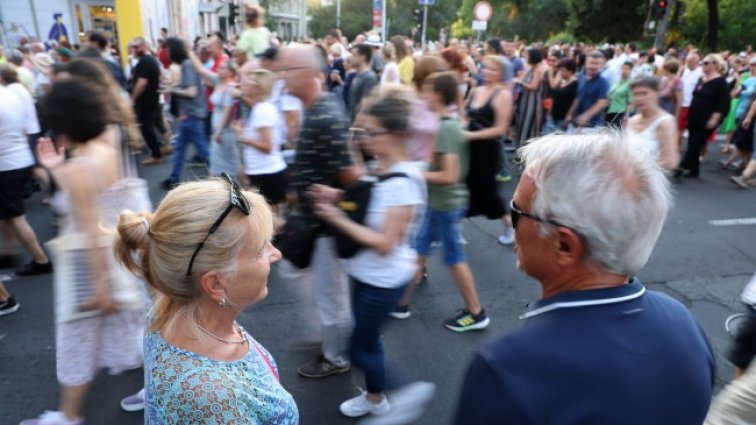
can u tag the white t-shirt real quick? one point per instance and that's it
(284, 102)
(398, 267)
(31, 122)
(390, 69)
(256, 162)
(39, 81)
(15, 152)
(689, 80)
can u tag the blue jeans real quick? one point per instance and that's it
(553, 125)
(446, 227)
(191, 130)
(372, 306)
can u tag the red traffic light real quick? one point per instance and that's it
(662, 4)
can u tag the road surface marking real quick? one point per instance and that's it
(733, 222)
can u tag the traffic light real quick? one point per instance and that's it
(418, 15)
(678, 13)
(661, 7)
(233, 14)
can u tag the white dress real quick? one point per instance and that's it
(85, 346)
(647, 138)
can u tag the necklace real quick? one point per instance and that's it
(238, 328)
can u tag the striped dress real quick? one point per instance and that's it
(530, 112)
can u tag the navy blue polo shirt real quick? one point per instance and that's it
(590, 91)
(619, 356)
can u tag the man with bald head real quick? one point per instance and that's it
(146, 98)
(598, 347)
(322, 157)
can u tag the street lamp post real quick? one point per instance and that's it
(338, 13)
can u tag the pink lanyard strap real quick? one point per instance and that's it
(267, 362)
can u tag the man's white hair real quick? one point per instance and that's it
(605, 187)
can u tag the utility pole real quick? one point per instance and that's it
(338, 13)
(425, 23)
(661, 29)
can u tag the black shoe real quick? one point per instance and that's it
(320, 368)
(34, 268)
(9, 306)
(678, 173)
(465, 321)
(401, 312)
(690, 175)
(9, 261)
(168, 184)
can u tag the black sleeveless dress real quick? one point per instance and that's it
(485, 160)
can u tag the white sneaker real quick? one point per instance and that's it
(361, 406)
(52, 418)
(508, 237)
(133, 403)
(408, 404)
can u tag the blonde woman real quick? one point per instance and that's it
(263, 159)
(256, 38)
(404, 59)
(390, 74)
(207, 253)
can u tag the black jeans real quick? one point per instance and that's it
(147, 119)
(696, 140)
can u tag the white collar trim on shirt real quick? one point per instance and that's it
(586, 303)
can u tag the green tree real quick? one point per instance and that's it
(356, 18)
(607, 20)
(738, 31)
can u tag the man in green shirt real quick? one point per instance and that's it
(447, 202)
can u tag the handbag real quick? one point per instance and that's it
(296, 241)
(73, 282)
(354, 203)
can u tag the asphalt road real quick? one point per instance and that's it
(703, 265)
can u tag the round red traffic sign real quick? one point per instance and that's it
(482, 11)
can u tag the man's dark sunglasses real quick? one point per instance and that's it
(517, 213)
(238, 200)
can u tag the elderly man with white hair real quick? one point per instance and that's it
(598, 348)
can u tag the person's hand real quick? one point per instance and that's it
(711, 124)
(746, 122)
(322, 194)
(238, 127)
(581, 120)
(48, 156)
(101, 301)
(327, 212)
(217, 138)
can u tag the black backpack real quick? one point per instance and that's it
(355, 203)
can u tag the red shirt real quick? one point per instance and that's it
(164, 59)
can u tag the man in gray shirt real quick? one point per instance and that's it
(365, 79)
(192, 111)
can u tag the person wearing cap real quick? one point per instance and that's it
(256, 38)
(375, 43)
(598, 347)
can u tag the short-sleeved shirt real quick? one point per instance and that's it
(322, 149)
(747, 96)
(622, 356)
(31, 121)
(254, 41)
(362, 85)
(590, 91)
(256, 162)
(396, 268)
(182, 387)
(149, 69)
(192, 106)
(449, 197)
(619, 97)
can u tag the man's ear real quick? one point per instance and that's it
(570, 247)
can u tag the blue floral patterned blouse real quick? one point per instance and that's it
(182, 387)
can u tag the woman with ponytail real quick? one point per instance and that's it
(206, 253)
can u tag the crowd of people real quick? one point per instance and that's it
(285, 130)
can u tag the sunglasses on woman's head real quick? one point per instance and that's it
(238, 201)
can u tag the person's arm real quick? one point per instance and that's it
(448, 173)
(292, 127)
(207, 75)
(571, 112)
(535, 83)
(139, 87)
(554, 79)
(669, 154)
(187, 86)
(722, 105)
(502, 117)
(381, 241)
(594, 110)
(224, 122)
(749, 116)
(484, 398)
(264, 141)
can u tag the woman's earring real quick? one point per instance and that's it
(223, 303)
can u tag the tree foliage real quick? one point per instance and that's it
(607, 20)
(735, 29)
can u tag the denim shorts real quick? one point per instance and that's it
(446, 227)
